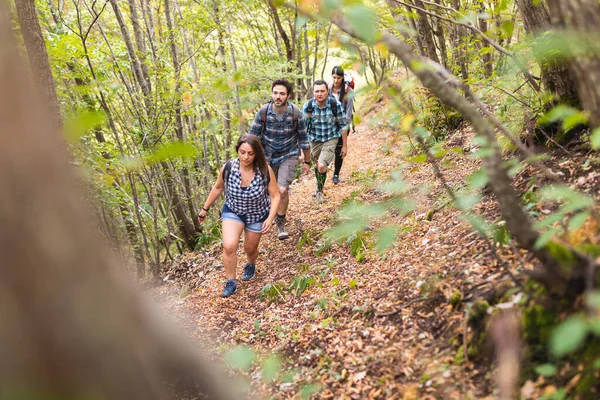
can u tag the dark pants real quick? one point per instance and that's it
(338, 157)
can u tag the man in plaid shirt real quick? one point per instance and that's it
(326, 121)
(282, 131)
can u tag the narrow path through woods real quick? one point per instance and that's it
(378, 328)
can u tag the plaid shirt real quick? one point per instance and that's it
(322, 126)
(280, 140)
(253, 201)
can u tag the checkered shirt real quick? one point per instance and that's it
(281, 139)
(322, 126)
(252, 202)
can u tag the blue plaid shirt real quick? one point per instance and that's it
(281, 139)
(323, 126)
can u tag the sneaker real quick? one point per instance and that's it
(336, 179)
(281, 232)
(230, 287)
(320, 197)
(249, 270)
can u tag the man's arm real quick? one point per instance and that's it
(303, 142)
(256, 128)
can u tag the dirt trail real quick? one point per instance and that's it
(378, 328)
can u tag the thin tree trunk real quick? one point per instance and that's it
(135, 62)
(223, 57)
(243, 127)
(289, 52)
(486, 57)
(139, 41)
(38, 57)
(326, 51)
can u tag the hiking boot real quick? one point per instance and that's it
(230, 287)
(281, 232)
(249, 270)
(336, 179)
(320, 197)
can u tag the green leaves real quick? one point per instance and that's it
(595, 138)
(300, 283)
(572, 202)
(569, 116)
(386, 237)
(545, 370)
(568, 336)
(82, 124)
(172, 150)
(363, 22)
(270, 367)
(240, 358)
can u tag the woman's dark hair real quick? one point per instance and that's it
(260, 162)
(284, 82)
(339, 71)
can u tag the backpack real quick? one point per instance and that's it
(227, 171)
(263, 115)
(311, 108)
(349, 80)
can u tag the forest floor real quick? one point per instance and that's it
(360, 324)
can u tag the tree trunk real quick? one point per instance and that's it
(486, 57)
(426, 33)
(439, 33)
(185, 226)
(289, 52)
(38, 57)
(555, 73)
(140, 43)
(223, 56)
(135, 61)
(63, 302)
(583, 18)
(178, 118)
(243, 126)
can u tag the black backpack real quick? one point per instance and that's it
(311, 108)
(227, 171)
(263, 116)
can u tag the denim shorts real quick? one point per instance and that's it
(228, 215)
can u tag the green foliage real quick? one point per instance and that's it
(570, 335)
(273, 291)
(595, 138)
(211, 234)
(362, 20)
(545, 370)
(300, 283)
(270, 368)
(240, 357)
(83, 123)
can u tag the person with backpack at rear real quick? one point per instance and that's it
(251, 202)
(326, 124)
(281, 127)
(343, 90)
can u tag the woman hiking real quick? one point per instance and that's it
(345, 95)
(251, 201)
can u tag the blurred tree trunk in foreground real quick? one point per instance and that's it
(71, 326)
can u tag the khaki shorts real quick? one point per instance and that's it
(286, 172)
(323, 152)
